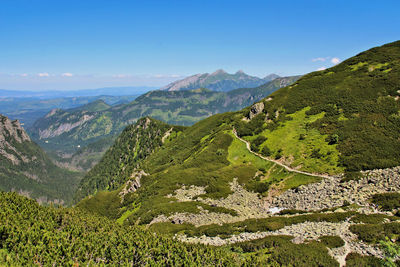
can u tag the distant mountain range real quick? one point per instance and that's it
(219, 81)
(109, 91)
(28, 109)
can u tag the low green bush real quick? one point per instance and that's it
(332, 241)
(373, 233)
(387, 201)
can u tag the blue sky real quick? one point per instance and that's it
(87, 44)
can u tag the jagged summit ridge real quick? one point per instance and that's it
(219, 80)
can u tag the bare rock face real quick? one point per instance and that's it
(52, 112)
(256, 109)
(11, 132)
(61, 128)
(132, 184)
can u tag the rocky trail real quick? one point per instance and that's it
(276, 161)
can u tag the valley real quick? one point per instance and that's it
(90, 129)
(214, 169)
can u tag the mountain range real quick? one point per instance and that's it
(67, 131)
(307, 175)
(28, 109)
(109, 91)
(219, 80)
(323, 150)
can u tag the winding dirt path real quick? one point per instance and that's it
(277, 162)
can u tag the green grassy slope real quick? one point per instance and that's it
(206, 154)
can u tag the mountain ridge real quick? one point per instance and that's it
(219, 80)
(65, 130)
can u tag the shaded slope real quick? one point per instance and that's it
(118, 164)
(25, 168)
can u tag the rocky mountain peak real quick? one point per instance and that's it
(271, 77)
(12, 130)
(218, 72)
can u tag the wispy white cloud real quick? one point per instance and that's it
(335, 60)
(121, 76)
(322, 59)
(322, 68)
(43, 74)
(67, 74)
(23, 75)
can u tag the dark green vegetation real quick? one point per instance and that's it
(31, 234)
(387, 201)
(279, 249)
(346, 117)
(356, 260)
(135, 143)
(64, 130)
(219, 81)
(29, 109)
(332, 241)
(25, 168)
(373, 233)
(35, 235)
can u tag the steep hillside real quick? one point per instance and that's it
(68, 130)
(85, 157)
(119, 163)
(219, 81)
(343, 118)
(276, 168)
(25, 168)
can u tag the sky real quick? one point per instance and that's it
(75, 44)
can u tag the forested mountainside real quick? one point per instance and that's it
(323, 150)
(119, 163)
(65, 130)
(219, 81)
(25, 167)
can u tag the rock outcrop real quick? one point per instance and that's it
(132, 184)
(256, 109)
